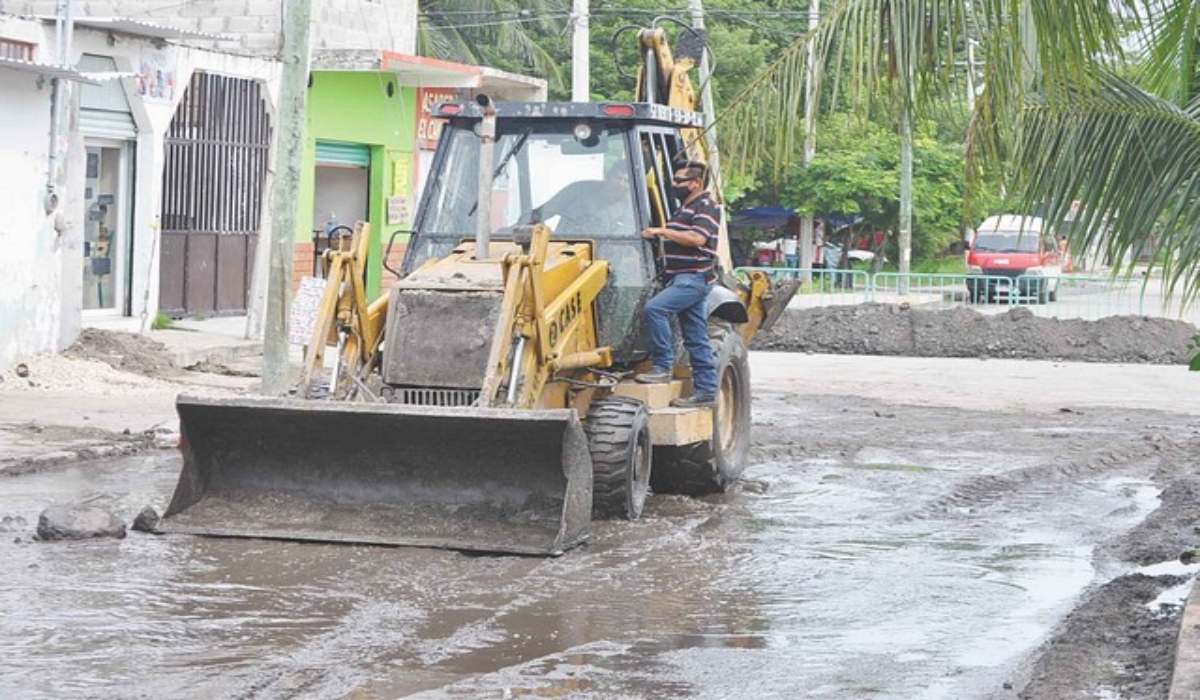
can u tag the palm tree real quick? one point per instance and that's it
(499, 33)
(898, 56)
(1122, 148)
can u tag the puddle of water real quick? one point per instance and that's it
(1170, 568)
(1175, 596)
(839, 580)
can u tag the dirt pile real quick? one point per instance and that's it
(886, 329)
(128, 352)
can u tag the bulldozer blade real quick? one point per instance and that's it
(777, 302)
(475, 479)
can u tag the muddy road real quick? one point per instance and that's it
(925, 529)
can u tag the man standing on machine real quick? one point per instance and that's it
(689, 270)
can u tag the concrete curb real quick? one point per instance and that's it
(1185, 681)
(30, 464)
(184, 354)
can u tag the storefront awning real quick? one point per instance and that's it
(137, 27)
(423, 72)
(63, 72)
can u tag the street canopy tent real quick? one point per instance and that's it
(776, 217)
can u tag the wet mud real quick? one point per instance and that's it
(881, 550)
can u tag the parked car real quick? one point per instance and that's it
(1013, 255)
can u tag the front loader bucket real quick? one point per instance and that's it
(488, 480)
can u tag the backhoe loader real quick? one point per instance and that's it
(487, 401)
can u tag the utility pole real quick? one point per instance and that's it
(971, 75)
(710, 132)
(64, 30)
(289, 150)
(706, 96)
(581, 64)
(810, 135)
(970, 33)
(904, 235)
(906, 196)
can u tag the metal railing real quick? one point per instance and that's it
(1066, 296)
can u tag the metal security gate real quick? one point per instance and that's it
(217, 152)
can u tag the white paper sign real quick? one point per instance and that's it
(305, 308)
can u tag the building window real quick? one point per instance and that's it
(19, 50)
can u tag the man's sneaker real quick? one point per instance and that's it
(697, 401)
(653, 377)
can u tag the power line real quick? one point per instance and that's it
(491, 19)
(515, 20)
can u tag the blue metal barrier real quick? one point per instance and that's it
(1061, 296)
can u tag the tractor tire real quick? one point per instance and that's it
(618, 434)
(711, 466)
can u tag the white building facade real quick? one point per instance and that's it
(94, 256)
(82, 209)
(129, 210)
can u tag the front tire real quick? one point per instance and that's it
(618, 432)
(711, 466)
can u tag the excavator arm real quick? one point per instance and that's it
(547, 320)
(664, 78)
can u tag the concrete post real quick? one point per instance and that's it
(293, 93)
(580, 52)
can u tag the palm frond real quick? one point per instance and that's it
(1129, 161)
(1171, 65)
(901, 53)
(898, 54)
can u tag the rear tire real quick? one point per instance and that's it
(711, 466)
(618, 432)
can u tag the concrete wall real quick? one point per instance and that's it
(253, 26)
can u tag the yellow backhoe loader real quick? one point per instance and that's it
(487, 401)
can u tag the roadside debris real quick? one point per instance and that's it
(78, 522)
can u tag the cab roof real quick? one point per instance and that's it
(642, 112)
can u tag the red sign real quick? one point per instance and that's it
(429, 128)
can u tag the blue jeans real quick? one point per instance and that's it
(684, 296)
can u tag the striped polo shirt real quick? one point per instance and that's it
(703, 216)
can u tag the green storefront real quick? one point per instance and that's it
(364, 158)
(358, 162)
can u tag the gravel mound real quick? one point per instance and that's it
(888, 329)
(112, 363)
(58, 373)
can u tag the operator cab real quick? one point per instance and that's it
(589, 171)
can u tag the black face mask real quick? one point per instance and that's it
(680, 191)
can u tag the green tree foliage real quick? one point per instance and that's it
(534, 38)
(742, 35)
(506, 34)
(856, 172)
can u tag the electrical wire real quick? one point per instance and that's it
(495, 23)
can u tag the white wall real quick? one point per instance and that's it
(30, 248)
(41, 286)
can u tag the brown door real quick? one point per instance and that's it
(213, 196)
